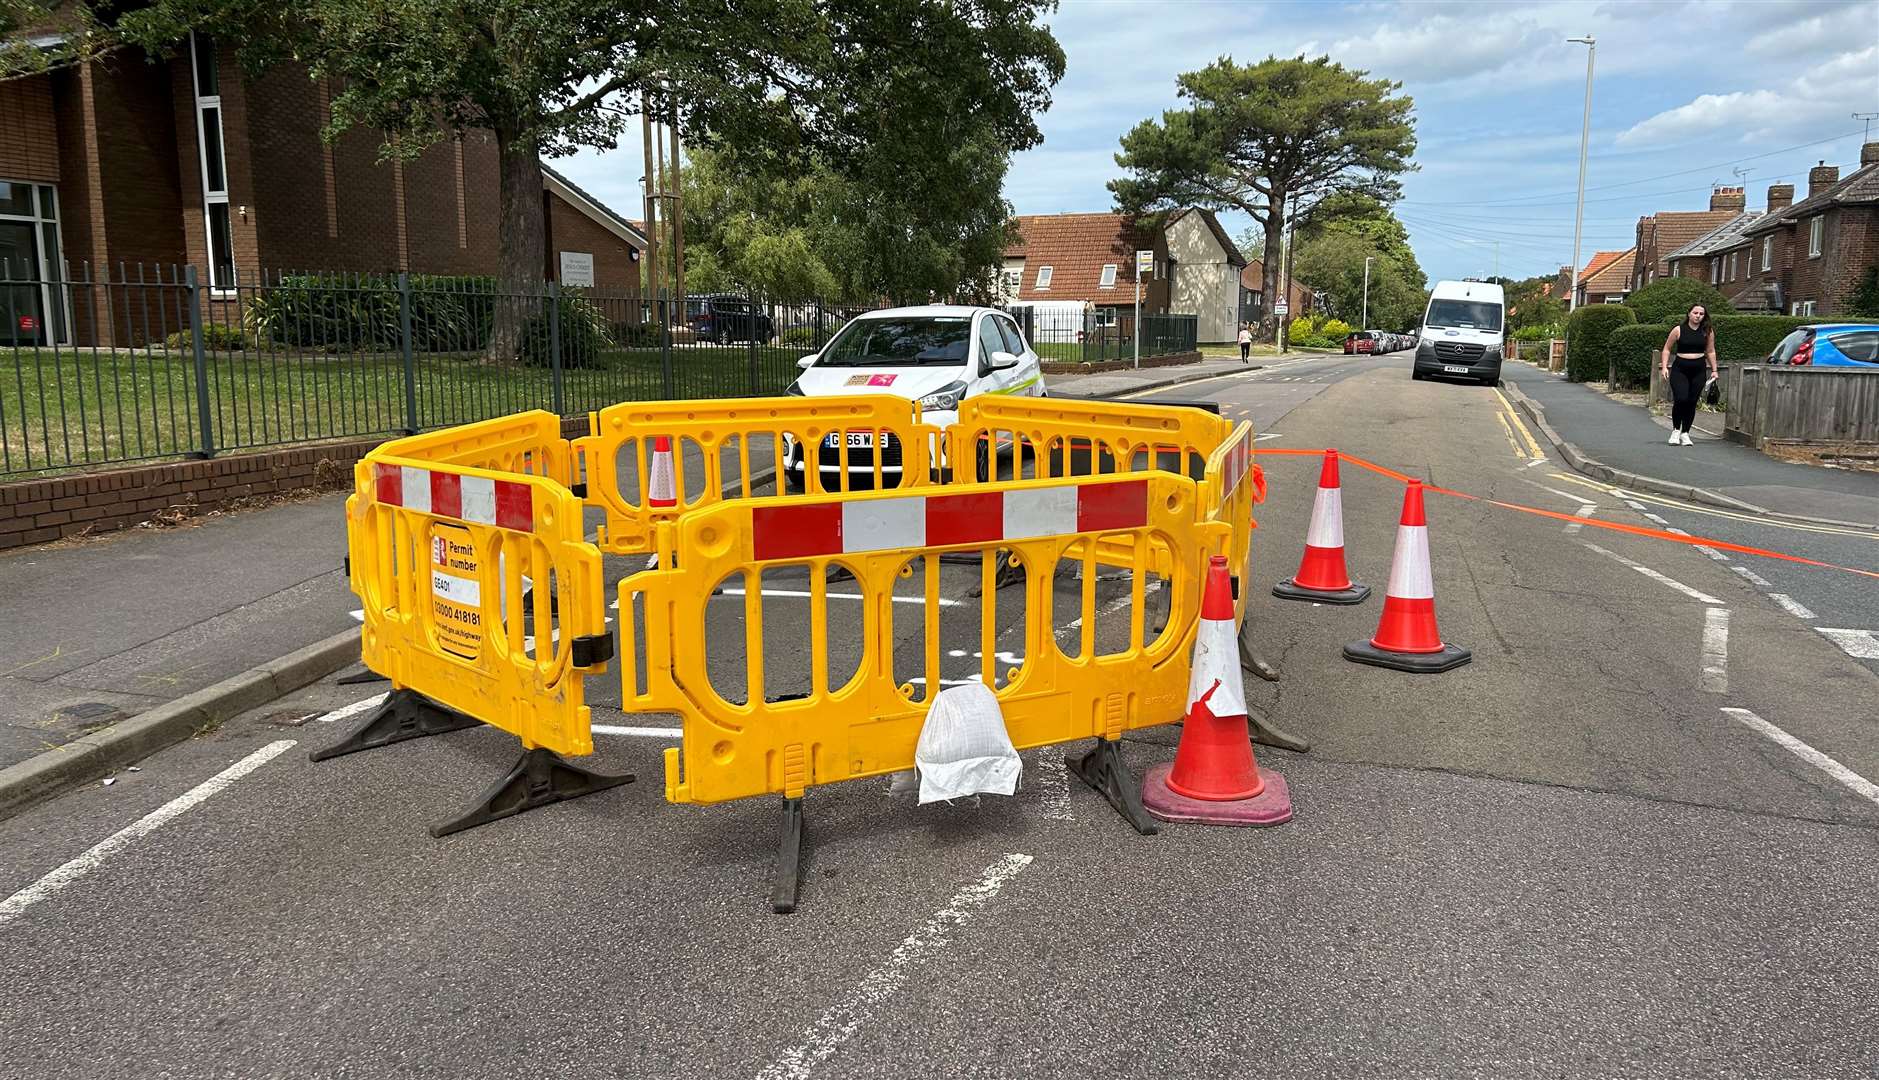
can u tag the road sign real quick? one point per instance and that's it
(1281, 308)
(1144, 263)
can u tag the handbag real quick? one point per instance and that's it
(1712, 393)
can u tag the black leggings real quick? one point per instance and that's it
(1686, 385)
(1246, 350)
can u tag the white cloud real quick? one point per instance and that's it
(1824, 94)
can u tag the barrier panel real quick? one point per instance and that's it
(864, 440)
(440, 554)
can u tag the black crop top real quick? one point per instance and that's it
(1691, 341)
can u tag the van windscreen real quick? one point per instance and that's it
(1464, 314)
(877, 342)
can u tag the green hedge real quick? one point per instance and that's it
(1740, 339)
(1587, 333)
(1634, 349)
(344, 312)
(1669, 299)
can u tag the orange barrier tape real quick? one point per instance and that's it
(1613, 526)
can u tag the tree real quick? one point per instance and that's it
(543, 77)
(1332, 262)
(1276, 140)
(1669, 299)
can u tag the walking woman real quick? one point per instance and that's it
(1246, 342)
(1689, 351)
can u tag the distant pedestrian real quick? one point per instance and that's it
(1246, 342)
(1693, 343)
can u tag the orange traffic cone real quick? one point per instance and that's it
(660, 493)
(1321, 575)
(1213, 777)
(1406, 637)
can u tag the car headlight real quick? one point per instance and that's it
(945, 399)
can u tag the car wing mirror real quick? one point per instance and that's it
(806, 362)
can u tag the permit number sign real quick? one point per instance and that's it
(456, 591)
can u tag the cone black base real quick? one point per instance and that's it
(1451, 656)
(1356, 594)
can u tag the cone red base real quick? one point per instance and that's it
(1272, 806)
(1449, 658)
(1291, 590)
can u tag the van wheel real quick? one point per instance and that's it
(1417, 376)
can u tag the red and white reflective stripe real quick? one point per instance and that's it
(1327, 520)
(1410, 578)
(1239, 462)
(805, 530)
(502, 503)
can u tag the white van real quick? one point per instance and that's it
(1463, 332)
(938, 355)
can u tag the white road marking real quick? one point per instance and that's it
(1861, 644)
(1580, 499)
(1704, 548)
(353, 709)
(1582, 513)
(1634, 504)
(1661, 579)
(1752, 577)
(1003, 657)
(1115, 605)
(644, 732)
(1860, 786)
(1655, 518)
(1053, 783)
(804, 594)
(52, 883)
(1716, 650)
(1792, 606)
(1535, 463)
(839, 1024)
(358, 615)
(1264, 435)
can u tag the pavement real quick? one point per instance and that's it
(1631, 438)
(1637, 836)
(102, 630)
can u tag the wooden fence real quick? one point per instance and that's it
(1807, 404)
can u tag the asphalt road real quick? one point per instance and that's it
(1563, 859)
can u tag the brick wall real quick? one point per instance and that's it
(570, 230)
(37, 511)
(28, 131)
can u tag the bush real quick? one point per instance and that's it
(802, 337)
(1865, 300)
(1302, 327)
(585, 335)
(1542, 332)
(215, 336)
(1634, 349)
(638, 335)
(1335, 330)
(1587, 333)
(1669, 299)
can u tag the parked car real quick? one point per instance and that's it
(1829, 345)
(726, 317)
(1359, 342)
(1462, 332)
(938, 355)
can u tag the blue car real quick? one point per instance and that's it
(1830, 345)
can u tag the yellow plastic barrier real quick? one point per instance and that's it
(881, 441)
(438, 554)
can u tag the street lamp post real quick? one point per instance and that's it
(1585, 134)
(1365, 324)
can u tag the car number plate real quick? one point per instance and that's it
(858, 439)
(1455, 369)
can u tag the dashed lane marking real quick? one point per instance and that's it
(1716, 650)
(353, 709)
(1792, 606)
(52, 883)
(1582, 513)
(1859, 644)
(1751, 577)
(1856, 783)
(1661, 579)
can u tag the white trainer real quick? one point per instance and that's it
(1673, 438)
(1687, 440)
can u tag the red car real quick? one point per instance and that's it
(1359, 342)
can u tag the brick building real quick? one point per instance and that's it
(1661, 233)
(1807, 257)
(134, 161)
(1607, 278)
(1710, 257)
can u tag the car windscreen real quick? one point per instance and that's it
(887, 342)
(1464, 315)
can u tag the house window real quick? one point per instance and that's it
(213, 162)
(1815, 226)
(1614, 298)
(1715, 269)
(1768, 252)
(1807, 306)
(1043, 277)
(36, 310)
(1109, 277)
(1106, 316)
(1012, 280)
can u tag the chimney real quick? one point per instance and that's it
(1780, 197)
(1728, 198)
(1821, 177)
(1869, 154)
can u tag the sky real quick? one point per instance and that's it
(1685, 95)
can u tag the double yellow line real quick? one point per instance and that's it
(1510, 423)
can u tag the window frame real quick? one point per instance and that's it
(1012, 335)
(1044, 276)
(42, 204)
(1108, 278)
(1768, 252)
(987, 322)
(1816, 235)
(204, 103)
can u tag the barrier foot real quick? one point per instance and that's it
(539, 777)
(405, 714)
(359, 677)
(1104, 770)
(788, 860)
(1250, 660)
(1265, 734)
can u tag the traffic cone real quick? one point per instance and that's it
(1321, 576)
(1406, 637)
(1213, 778)
(660, 493)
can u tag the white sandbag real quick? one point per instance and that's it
(964, 748)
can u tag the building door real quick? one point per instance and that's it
(33, 301)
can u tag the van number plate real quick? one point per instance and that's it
(1455, 369)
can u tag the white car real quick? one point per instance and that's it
(938, 355)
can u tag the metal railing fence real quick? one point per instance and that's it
(1096, 334)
